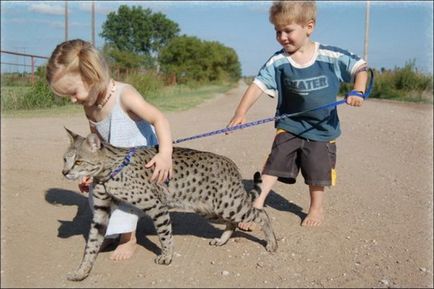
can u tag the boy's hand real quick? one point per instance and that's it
(84, 184)
(355, 100)
(236, 120)
(162, 167)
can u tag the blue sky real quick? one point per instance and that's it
(399, 31)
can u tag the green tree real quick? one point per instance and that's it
(222, 61)
(187, 58)
(137, 30)
(179, 58)
(122, 61)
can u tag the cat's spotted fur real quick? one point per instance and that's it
(203, 182)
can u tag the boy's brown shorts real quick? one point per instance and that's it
(290, 154)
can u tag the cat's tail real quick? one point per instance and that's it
(256, 190)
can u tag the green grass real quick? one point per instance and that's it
(65, 110)
(11, 96)
(173, 98)
(38, 100)
(405, 84)
(178, 98)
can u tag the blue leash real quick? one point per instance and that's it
(124, 163)
(269, 119)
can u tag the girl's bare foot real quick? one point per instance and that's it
(314, 218)
(125, 249)
(246, 226)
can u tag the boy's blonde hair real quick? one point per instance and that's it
(283, 13)
(81, 57)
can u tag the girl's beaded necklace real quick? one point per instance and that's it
(101, 105)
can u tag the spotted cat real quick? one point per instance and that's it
(203, 182)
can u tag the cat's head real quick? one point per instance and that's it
(83, 156)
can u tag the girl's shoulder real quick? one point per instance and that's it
(127, 93)
(126, 89)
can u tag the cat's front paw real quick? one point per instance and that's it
(216, 242)
(76, 276)
(163, 259)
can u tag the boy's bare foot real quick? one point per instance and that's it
(266, 182)
(248, 227)
(125, 249)
(314, 218)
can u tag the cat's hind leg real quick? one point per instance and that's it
(260, 217)
(227, 233)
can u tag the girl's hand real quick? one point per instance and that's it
(162, 167)
(85, 184)
(354, 100)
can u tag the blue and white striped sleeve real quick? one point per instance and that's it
(346, 64)
(350, 64)
(266, 78)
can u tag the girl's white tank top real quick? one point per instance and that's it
(120, 130)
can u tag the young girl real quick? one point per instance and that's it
(119, 115)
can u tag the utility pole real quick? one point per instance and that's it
(93, 23)
(365, 52)
(66, 20)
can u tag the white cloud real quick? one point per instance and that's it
(44, 8)
(101, 7)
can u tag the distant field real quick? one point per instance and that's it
(11, 95)
(174, 98)
(177, 98)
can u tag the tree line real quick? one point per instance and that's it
(139, 39)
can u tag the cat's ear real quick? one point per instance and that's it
(94, 142)
(72, 136)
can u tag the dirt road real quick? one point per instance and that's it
(378, 230)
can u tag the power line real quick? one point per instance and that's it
(365, 52)
(93, 23)
(66, 20)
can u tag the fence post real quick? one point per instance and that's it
(33, 69)
(32, 58)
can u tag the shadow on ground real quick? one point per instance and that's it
(276, 201)
(183, 223)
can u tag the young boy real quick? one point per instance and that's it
(303, 75)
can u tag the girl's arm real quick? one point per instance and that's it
(134, 104)
(87, 181)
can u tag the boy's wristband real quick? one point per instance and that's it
(356, 93)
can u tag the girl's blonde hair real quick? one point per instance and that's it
(79, 56)
(283, 13)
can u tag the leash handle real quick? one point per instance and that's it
(355, 93)
(368, 89)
